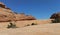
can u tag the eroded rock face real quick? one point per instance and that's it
(55, 15)
(24, 17)
(7, 15)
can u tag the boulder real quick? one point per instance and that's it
(55, 15)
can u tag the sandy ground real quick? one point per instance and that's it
(24, 23)
(45, 29)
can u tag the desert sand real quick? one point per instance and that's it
(44, 29)
(24, 23)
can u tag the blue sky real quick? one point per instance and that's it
(40, 9)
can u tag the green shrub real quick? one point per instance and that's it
(11, 25)
(33, 24)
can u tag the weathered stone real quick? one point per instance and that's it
(55, 15)
(2, 5)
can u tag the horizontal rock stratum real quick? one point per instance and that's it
(6, 14)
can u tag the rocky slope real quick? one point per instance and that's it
(6, 14)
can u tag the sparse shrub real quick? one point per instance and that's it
(33, 24)
(27, 25)
(11, 25)
(57, 20)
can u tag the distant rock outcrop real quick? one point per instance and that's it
(55, 15)
(7, 15)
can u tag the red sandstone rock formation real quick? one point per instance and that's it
(7, 15)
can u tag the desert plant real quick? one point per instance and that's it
(11, 25)
(27, 25)
(33, 24)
